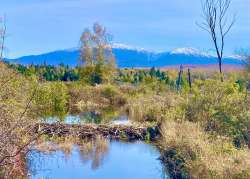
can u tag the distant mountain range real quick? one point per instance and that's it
(132, 57)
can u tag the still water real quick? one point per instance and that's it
(111, 160)
(91, 117)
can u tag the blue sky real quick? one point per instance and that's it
(38, 26)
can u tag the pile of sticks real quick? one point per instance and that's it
(84, 131)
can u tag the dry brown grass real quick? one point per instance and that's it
(216, 156)
(92, 97)
(152, 107)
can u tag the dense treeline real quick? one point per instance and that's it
(48, 72)
(66, 73)
(138, 76)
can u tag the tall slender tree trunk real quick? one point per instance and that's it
(189, 79)
(178, 84)
(220, 69)
(3, 33)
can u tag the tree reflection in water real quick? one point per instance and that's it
(69, 158)
(94, 151)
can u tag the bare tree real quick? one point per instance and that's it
(2, 36)
(216, 23)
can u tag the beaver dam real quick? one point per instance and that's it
(109, 131)
(114, 148)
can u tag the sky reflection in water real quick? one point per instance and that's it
(90, 117)
(109, 161)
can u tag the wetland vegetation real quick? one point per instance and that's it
(203, 118)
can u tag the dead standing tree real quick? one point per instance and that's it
(215, 15)
(2, 36)
(178, 83)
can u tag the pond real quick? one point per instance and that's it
(96, 160)
(120, 118)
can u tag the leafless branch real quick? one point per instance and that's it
(2, 36)
(216, 24)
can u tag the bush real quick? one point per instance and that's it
(219, 107)
(51, 99)
(15, 121)
(96, 97)
(193, 153)
(152, 108)
(111, 93)
(94, 74)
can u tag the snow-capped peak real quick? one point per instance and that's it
(127, 47)
(237, 57)
(189, 51)
(71, 49)
(115, 46)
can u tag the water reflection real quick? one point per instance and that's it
(95, 117)
(94, 151)
(98, 159)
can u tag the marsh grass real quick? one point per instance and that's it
(92, 97)
(204, 129)
(152, 108)
(203, 155)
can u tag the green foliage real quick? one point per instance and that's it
(48, 72)
(143, 76)
(220, 107)
(97, 74)
(242, 85)
(184, 83)
(51, 99)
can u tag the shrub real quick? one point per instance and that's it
(15, 121)
(96, 97)
(152, 108)
(97, 74)
(51, 99)
(219, 107)
(192, 152)
(111, 93)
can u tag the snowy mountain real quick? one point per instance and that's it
(127, 47)
(128, 56)
(189, 51)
